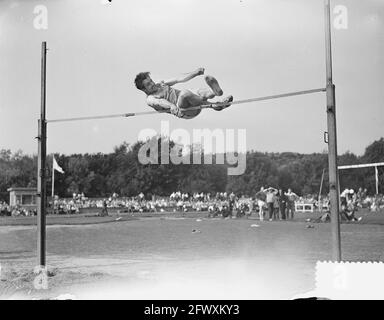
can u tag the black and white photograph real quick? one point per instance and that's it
(190, 151)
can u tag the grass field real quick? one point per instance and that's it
(176, 256)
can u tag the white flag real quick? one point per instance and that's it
(56, 166)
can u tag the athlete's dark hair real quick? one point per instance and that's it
(139, 80)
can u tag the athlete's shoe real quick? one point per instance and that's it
(227, 100)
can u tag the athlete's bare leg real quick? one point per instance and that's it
(188, 99)
(206, 93)
(214, 91)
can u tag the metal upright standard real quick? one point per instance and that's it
(41, 166)
(332, 140)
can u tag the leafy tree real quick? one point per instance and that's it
(100, 175)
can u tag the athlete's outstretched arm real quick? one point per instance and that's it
(186, 78)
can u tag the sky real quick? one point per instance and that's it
(253, 47)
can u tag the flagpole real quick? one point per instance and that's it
(321, 188)
(53, 179)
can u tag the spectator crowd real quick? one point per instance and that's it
(267, 203)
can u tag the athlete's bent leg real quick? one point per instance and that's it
(206, 94)
(187, 100)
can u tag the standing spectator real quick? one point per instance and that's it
(283, 204)
(291, 198)
(364, 194)
(360, 197)
(56, 205)
(276, 206)
(261, 198)
(4, 209)
(104, 211)
(375, 204)
(232, 200)
(270, 196)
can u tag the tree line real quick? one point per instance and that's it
(100, 174)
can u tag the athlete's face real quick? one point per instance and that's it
(149, 85)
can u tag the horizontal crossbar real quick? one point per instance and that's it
(134, 114)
